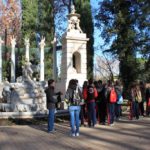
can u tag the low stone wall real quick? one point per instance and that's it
(21, 115)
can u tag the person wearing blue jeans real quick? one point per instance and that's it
(91, 114)
(117, 111)
(51, 98)
(73, 97)
(51, 117)
(111, 113)
(135, 108)
(74, 112)
(90, 94)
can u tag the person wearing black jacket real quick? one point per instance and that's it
(51, 98)
(101, 102)
(147, 99)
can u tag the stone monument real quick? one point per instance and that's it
(74, 55)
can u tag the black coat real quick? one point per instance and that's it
(51, 97)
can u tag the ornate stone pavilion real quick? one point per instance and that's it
(74, 56)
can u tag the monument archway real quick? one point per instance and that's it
(77, 61)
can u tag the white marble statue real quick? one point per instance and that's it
(78, 25)
(71, 25)
(74, 21)
(27, 70)
(42, 43)
(73, 9)
(13, 41)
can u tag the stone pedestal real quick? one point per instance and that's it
(42, 44)
(27, 44)
(1, 59)
(13, 60)
(54, 60)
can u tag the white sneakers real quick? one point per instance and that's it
(73, 134)
(77, 134)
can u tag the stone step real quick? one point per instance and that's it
(26, 96)
(28, 101)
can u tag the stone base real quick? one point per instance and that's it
(6, 115)
(21, 115)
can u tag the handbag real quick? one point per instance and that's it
(120, 99)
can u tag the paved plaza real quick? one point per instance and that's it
(124, 135)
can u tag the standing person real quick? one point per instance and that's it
(141, 104)
(51, 97)
(73, 98)
(148, 99)
(111, 97)
(118, 90)
(83, 106)
(97, 100)
(90, 93)
(135, 99)
(103, 105)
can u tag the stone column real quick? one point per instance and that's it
(27, 44)
(13, 65)
(54, 60)
(42, 44)
(1, 42)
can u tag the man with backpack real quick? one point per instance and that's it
(111, 100)
(118, 89)
(90, 93)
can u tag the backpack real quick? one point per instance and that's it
(113, 96)
(75, 99)
(90, 93)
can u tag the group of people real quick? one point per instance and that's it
(96, 102)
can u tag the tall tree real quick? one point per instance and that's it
(10, 25)
(29, 20)
(10, 19)
(38, 21)
(45, 23)
(119, 21)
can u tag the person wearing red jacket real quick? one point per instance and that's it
(89, 94)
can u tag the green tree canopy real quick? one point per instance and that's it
(125, 25)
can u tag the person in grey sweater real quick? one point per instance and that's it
(51, 98)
